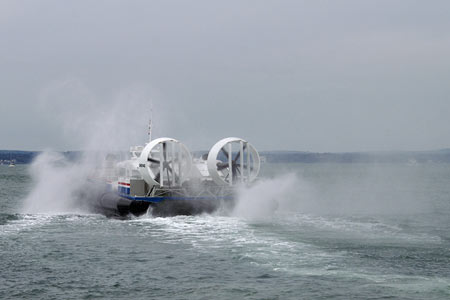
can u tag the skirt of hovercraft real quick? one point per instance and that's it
(112, 205)
(169, 208)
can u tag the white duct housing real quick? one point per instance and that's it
(165, 162)
(233, 161)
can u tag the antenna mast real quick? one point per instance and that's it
(150, 124)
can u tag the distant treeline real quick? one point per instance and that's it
(439, 156)
(20, 157)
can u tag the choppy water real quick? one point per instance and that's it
(338, 231)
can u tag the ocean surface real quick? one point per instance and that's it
(304, 231)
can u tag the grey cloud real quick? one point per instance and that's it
(302, 75)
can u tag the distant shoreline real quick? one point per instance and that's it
(407, 157)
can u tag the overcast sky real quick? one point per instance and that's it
(291, 75)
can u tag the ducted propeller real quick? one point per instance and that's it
(232, 161)
(165, 162)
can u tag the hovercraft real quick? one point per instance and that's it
(164, 179)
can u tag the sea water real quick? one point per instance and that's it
(304, 231)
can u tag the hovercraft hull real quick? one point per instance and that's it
(113, 204)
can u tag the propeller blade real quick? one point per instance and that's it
(166, 164)
(153, 160)
(239, 154)
(224, 165)
(235, 175)
(225, 152)
(169, 169)
(237, 169)
(221, 166)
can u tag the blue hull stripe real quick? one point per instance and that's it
(160, 199)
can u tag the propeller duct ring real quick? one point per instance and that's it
(232, 161)
(165, 162)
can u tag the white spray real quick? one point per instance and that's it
(96, 127)
(270, 195)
